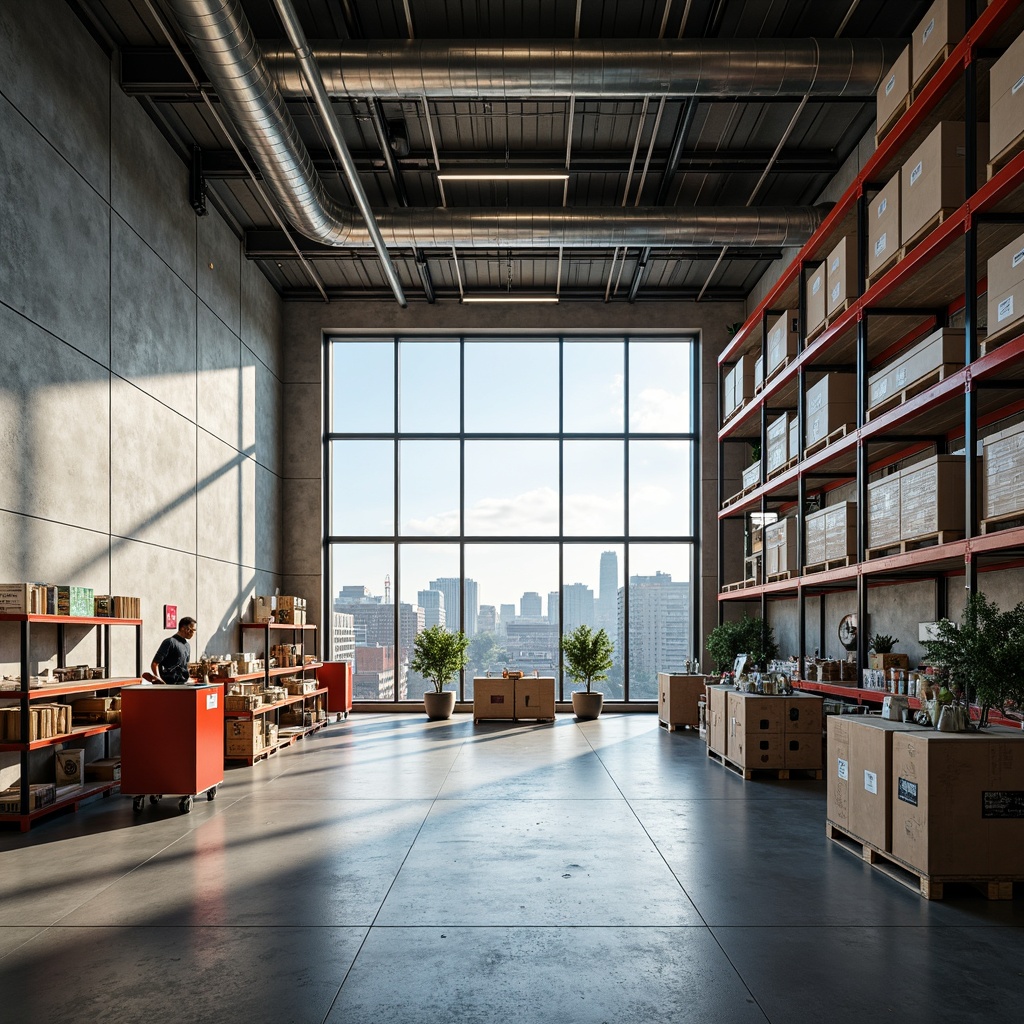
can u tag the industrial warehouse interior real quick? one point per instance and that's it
(360, 358)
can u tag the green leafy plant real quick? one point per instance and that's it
(981, 658)
(439, 655)
(750, 636)
(882, 643)
(587, 655)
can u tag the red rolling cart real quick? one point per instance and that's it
(172, 741)
(337, 677)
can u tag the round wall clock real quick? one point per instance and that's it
(848, 631)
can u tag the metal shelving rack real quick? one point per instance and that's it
(936, 279)
(25, 696)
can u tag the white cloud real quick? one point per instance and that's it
(657, 410)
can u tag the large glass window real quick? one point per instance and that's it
(514, 488)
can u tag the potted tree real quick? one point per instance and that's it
(439, 656)
(587, 655)
(750, 636)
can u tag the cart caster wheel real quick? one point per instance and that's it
(138, 803)
(337, 717)
(185, 804)
(155, 799)
(211, 793)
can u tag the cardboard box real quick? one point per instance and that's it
(758, 372)
(884, 511)
(884, 662)
(739, 385)
(243, 737)
(77, 602)
(778, 452)
(291, 616)
(1006, 284)
(803, 714)
(1003, 473)
(842, 274)
(943, 25)
(802, 750)
(884, 225)
(830, 404)
(69, 765)
(780, 546)
(534, 698)
(841, 530)
(677, 698)
(717, 717)
(107, 769)
(837, 770)
(933, 178)
(932, 497)
(1006, 98)
(957, 806)
(814, 538)
(39, 795)
(894, 90)
(263, 608)
(22, 599)
(752, 475)
(817, 288)
(783, 335)
(494, 698)
(944, 347)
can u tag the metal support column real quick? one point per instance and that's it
(970, 325)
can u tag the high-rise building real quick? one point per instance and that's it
(578, 600)
(553, 606)
(533, 645)
(486, 620)
(373, 676)
(472, 589)
(659, 631)
(432, 603)
(506, 614)
(343, 637)
(451, 587)
(607, 595)
(531, 606)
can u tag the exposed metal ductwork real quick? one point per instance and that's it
(222, 40)
(736, 68)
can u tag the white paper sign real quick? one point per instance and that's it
(844, 769)
(870, 782)
(211, 700)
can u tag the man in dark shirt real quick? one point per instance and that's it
(170, 663)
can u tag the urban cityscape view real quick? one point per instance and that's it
(521, 635)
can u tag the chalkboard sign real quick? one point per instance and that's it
(1002, 804)
(907, 791)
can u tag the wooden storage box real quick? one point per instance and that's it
(783, 334)
(933, 178)
(814, 538)
(243, 737)
(22, 599)
(894, 90)
(884, 225)
(891, 659)
(932, 497)
(1006, 100)
(884, 511)
(780, 547)
(717, 717)
(752, 475)
(493, 698)
(841, 530)
(534, 698)
(837, 770)
(1006, 285)
(944, 347)
(677, 698)
(755, 730)
(778, 442)
(942, 26)
(842, 274)
(831, 404)
(956, 801)
(815, 297)
(1003, 473)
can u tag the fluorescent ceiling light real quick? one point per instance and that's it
(510, 298)
(504, 176)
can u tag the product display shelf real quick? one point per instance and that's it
(936, 279)
(71, 796)
(293, 733)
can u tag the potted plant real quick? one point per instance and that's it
(750, 636)
(587, 655)
(981, 658)
(881, 644)
(439, 656)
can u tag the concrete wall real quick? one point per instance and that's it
(140, 392)
(306, 324)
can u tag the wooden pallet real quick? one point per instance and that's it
(926, 229)
(931, 887)
(1011, 520)
(835, 435)
(740, 495)
(884, 269)
(926, 540)
(747, 774)
(884, 129)
(839, 311)
(999, 161)
(926, 72)
(782, 467)
(930, 379)
(831, 563)
(728, 588)
(736, 410)
(1002, 336)
(814, 332)
(778, 577)
(677, 726)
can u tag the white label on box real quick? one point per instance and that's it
(880, 244)
(211, 700)
(870, 781)
(881, 207)
(816, 285)
(916, 172)
(890, 85)
(836, 290)
(844, 769)
(901, 375)
(879, 389)
(1017, 85)
(835, 265)
(1005, 308)
(927, 31)
(1017, 257)
(816, 427)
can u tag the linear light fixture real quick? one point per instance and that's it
(503, 176)
(510, 298)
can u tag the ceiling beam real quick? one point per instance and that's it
(335, 294)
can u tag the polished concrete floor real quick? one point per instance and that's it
(390, 870)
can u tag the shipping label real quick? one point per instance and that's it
(890, 85)
(881, 207)
(1017, 86)
(1005, 308)
(1002, 804)
(907, 791)
(870, 782)
(844, 769)
(916, 172)
(928, 29)
(881, 244)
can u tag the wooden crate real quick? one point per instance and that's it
(944, 347)
(1003, 473)
(932, 497)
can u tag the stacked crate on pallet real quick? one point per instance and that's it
(780, 548)
(1006, 106)
(1003, 475)
(884, 511)
(831, 408)
(924, 363)
(884, 228)
(1006, 292)
(932, 499)
(783, 334)
(817, 288)
(894, 95)
(842, 276)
